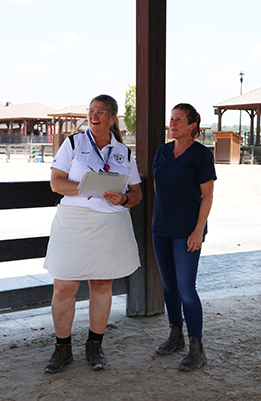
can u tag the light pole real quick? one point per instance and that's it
(241, 81)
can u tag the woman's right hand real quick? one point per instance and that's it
(60, 183)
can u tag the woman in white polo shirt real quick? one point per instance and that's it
(91, 238)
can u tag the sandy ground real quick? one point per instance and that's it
(232, 327)
(232, 337)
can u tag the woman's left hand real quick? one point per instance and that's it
(134, 195)
(114, 198)
(194, 241)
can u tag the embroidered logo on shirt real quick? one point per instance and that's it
(119, 158)
(85, 153)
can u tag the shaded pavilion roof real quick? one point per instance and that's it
(251, 103)
(248, 101)
(77, 111)
(34, 111)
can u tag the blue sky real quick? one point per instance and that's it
(63, 52)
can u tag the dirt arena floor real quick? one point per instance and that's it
(232, 327)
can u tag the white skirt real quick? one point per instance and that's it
(87, 245)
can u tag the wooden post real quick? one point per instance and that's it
(219, 121)
(10, 128)
(150, 134)
(25, 128)
(252, 116)
(258, 112)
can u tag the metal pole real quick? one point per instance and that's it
(241, 81)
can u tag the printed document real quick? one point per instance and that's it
(95, 184)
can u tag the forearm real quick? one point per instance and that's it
(204, 212)
(64, 186)
(134, 199)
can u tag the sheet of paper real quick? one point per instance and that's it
(95, 184)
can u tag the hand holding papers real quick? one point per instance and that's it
(95, 184)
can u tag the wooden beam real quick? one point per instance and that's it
(150, 126)
(41, 296)
(17, 195)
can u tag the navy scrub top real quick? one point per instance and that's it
(177, 193)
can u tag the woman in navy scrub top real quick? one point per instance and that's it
(184, 175)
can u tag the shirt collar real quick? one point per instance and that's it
(113, 143)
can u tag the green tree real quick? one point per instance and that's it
(130, 109)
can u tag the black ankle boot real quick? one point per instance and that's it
(62, 356)
(175, 341)
(95, 355)
(196, 356)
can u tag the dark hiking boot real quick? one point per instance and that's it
(62, 356)
(196, 356)
(175, 341)
(95, 355)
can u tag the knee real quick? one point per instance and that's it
(169, 284)
(65, 289)
(188, 294)
(100, 286)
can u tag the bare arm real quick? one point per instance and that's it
(61, 184)
(195, 239)
(134, 196)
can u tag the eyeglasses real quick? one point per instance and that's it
(99, 113)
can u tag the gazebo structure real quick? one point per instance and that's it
(65, 120)
(65, 123)
(27, 116)
(251, 103)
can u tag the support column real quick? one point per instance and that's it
(25, 128)
(258, 126)
(252, 116)
(10, 128)
(150, 134)
(219, 121)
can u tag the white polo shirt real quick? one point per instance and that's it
(75, 162)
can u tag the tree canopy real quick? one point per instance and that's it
(130, 109)
(234, 128)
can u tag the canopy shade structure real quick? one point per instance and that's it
(69, 116)
(249, 102)
(26, 116)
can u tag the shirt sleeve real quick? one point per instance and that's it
(207, 170)
(64, 156)
(133, 171)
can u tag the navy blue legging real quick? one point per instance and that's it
(178, 270)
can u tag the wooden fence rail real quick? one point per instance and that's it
(17, 195)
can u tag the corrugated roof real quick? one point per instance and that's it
(27, 110)
(250, 98)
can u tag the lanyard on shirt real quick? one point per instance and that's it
(106, 167)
